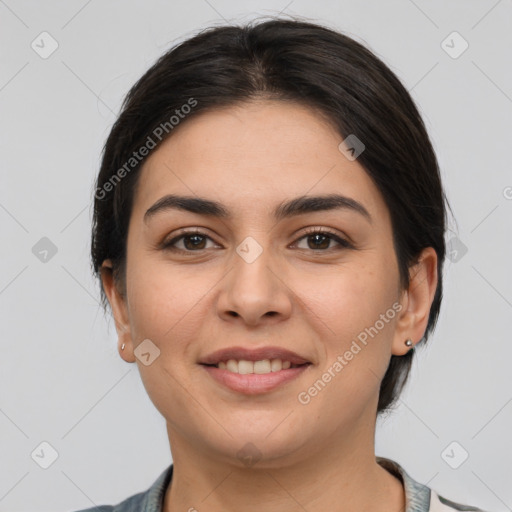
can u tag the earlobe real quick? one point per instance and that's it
(119, 311)
(416, 301)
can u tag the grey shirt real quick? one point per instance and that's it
(419, 498)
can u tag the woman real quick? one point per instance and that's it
(269, 232)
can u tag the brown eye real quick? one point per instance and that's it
(194, 242)
(320, 240)
(316, 240)
(191, 241)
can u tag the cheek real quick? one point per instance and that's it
(163, 308)
(356, 347)
(348, 299)
(163, 300)
(352, 312)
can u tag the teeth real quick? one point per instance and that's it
(232, 366)
(245, 367)
(260, 367)
(276, 365)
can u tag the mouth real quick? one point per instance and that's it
(254, 371)
(261, 367)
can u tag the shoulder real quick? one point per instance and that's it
(131, 504)
(419, 497)
(440, 504)
(150, 500)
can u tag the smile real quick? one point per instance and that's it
(251, 382)
(261, 367)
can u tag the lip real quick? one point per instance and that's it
(257, 354)
(253, 383)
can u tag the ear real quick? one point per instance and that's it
(416, 302)
(119, 310)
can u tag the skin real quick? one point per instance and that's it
(318, 456)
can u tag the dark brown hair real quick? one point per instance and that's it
(287, 60)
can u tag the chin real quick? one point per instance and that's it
(262, 447)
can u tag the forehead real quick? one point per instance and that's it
(255, 153)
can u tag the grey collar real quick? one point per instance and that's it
(417, 496)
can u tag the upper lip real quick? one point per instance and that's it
(241, 353)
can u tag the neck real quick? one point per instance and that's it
(341, 476)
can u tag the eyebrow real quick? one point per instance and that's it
(297, 206)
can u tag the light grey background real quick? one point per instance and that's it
(61, 378)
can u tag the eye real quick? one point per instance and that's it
(321, 239)
(196, 240)
(193, 240)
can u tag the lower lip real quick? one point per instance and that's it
(254, 383)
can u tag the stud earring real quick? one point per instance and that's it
(408, 342)
(122, 346)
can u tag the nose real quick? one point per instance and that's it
(255, 291)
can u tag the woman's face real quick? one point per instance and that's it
(255, 286)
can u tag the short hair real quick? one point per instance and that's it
(288, 60)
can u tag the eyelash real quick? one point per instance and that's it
(310, 231)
